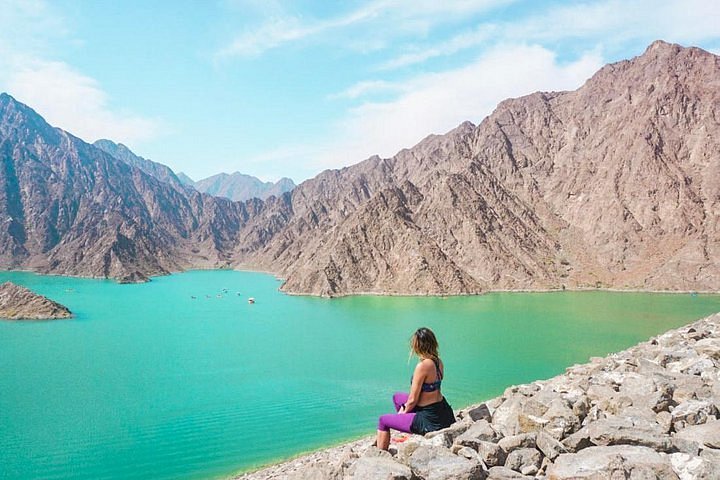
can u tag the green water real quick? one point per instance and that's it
(147, 382)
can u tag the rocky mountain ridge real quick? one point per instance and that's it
(612, 185)
(240, 187)
(70, 208)
(19, 303)
(615, 184)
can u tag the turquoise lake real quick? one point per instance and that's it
(147, 382)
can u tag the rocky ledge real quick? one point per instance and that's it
(649, 412)
(19, 303)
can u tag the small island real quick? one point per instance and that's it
(19, 303)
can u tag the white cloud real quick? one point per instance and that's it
(609, 22)
(395, 17)
(366, 87)
(437, 103)
(30, 32)
(72, 101)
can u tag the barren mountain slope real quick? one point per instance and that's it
(71, 208)
(615, 184)
(241, 187)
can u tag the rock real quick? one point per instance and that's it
(610, 463)
(378, 467)
(522, 458)
(373, 452)
(524, 440)
(688, 467)
(480, 431)
(664, 419)
(504, 473)
(578, 440)
(491, 454)
(19, 303)
(450, 433)
(407, 448)
(562, 421)
(628, 431)
(706, 435)
(429, 463)
(505, 417)
(692, 412)
(549, 446)
(324, 472)
(480, 412)
(711, 454)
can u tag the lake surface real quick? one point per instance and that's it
(147, 382)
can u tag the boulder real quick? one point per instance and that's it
(628, 431)
(578, 440)
(449, 434)
(505, 417)
(706, 435)
(522, 459)
(562, 421)
(480, 431)
(504, 473)
(429, 463)
(491, 454)
(479, 412)
(376, 467)
(693, 412)
(610, 463)
(689, 467)
(549, 446)
(524, 440)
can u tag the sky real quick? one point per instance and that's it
(276, 88)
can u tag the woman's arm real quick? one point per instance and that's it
(415, 388)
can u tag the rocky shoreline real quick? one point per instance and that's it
(649, 412)
(19, 303)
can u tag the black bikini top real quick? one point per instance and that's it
(433, 386)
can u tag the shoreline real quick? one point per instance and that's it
(382, 294)
(689, 354)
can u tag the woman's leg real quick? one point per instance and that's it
(396, 421)
(400, 399)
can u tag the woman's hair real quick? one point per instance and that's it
(424, 344)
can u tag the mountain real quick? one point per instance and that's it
(19, 303)
(69, 207)
(185, 180)
(157, 170)
(239, 187)
(616, 184)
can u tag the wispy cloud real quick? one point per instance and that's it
(367, 87)
(75, 102)
(395, 16)
(67, 98)
(436, 103)
(608, 22)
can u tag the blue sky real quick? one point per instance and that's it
(289, 88)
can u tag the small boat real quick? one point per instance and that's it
(193, 297)
(251, 300)
(238, 293)
(225, 290)
(219, 296)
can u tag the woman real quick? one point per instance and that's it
(424, 409)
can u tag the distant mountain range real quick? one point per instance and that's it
(236, 186)
(616, 184)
